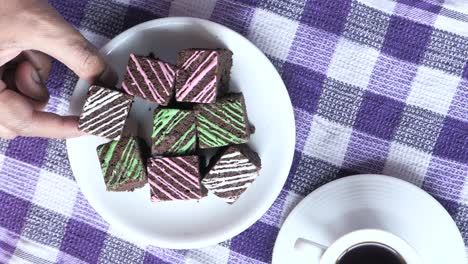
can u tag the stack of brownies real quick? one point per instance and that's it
(196, 113)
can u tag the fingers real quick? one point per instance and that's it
(18, 118)
(52, 125)
(63, 42)
(41, 62)
(6, 133)
(30, 83)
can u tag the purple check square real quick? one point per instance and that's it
(326, 15)
(261, 235)
(445, 178)
(313, 48)
(392, 77)
(152, 259)
(73, 11)
(379, 115)
(406, 40)
(236, 16)
(304, 86)
(418, 10)
(83, 241)
(453, 140)
(13, 212)
(140, 11)
(465, 71)
(28, 150)
(366, 154)
(459, 105)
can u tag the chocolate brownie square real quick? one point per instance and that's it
(122, 164)
(223, 123)
(174, 132)
(232, 171)
(104, 112)
(202, 75)
(174, 178)
(150, 79)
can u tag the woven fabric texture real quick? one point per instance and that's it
(378, 86)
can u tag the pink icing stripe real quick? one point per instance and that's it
(212, 96)
(148, 82)
(186, 163)
(169, 68)
(195, 79)
(191, 178)
(134, 81)
(196, 72)
(170, 176)
(152, 183)
(192, 58)
(207, 90)
(167, 74)
(124, 86)
(168, 185)
(157, 76)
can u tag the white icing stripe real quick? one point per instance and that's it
(112, 129)
(100, 115)
(220, 182)
(234, 161)
(247, 184)
(98, 103)
(97, 94)
(246, 168)
(109, 120)
(231, 155)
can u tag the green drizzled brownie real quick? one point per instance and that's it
(223, 123)
(122, 164)
(174, 132)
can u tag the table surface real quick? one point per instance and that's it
(378, 86)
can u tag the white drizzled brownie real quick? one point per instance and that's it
(105, 112)
(231, 172)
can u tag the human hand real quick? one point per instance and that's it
(30, 30)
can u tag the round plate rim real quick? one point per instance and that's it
(364, 178)
(274, 190)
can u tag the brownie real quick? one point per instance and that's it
(174, 132)
(122, 164)
(232, 171)
(174, 178)
(203, 74)
(223, 123)
(104, 112)
(149, 78)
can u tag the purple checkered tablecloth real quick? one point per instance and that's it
(378, 86)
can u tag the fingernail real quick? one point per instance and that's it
(108, 77)
(36, 78)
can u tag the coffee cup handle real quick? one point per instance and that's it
(304, 244)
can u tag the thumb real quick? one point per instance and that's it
(60, 40)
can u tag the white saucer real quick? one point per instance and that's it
(371, 201)
(192, 224)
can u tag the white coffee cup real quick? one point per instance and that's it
(330, 254)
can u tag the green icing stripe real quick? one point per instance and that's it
(162, 119)
(121, 165)
(228, 109)
(188, 146)
(239, 125)
(108, 157)
(170, 126)
(179, 150)
(213, 135)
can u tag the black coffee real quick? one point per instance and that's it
(370, 253)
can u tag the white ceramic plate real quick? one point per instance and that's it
(371, 201)
(193, 224)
